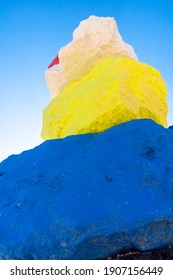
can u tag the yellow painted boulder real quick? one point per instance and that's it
(116, 90)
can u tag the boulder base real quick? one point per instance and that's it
(89, 196)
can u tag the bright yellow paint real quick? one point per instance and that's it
(117, 89)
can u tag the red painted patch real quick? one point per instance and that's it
(54, 62)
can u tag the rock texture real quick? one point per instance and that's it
(116, 90)
(89, 196)
(54, 80)
(158, 254)
(93, 40)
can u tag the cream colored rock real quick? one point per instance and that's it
(94, 39)
(54, 80)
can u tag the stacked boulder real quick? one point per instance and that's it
(107, 187)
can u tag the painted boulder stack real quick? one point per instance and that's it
(107, 187)
(97, 82)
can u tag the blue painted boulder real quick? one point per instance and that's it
(89, 196)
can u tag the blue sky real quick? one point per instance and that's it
(32, 32)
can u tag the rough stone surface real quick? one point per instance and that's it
(54, 80)
(116, 90)
(158, 254)
(89, 196)
(93, 40)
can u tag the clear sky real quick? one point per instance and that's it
(33, 31)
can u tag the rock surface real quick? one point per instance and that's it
(158, 254)
(116, 90)
(89, 196)
(93, 40)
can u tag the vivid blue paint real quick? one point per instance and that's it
(89, 196)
